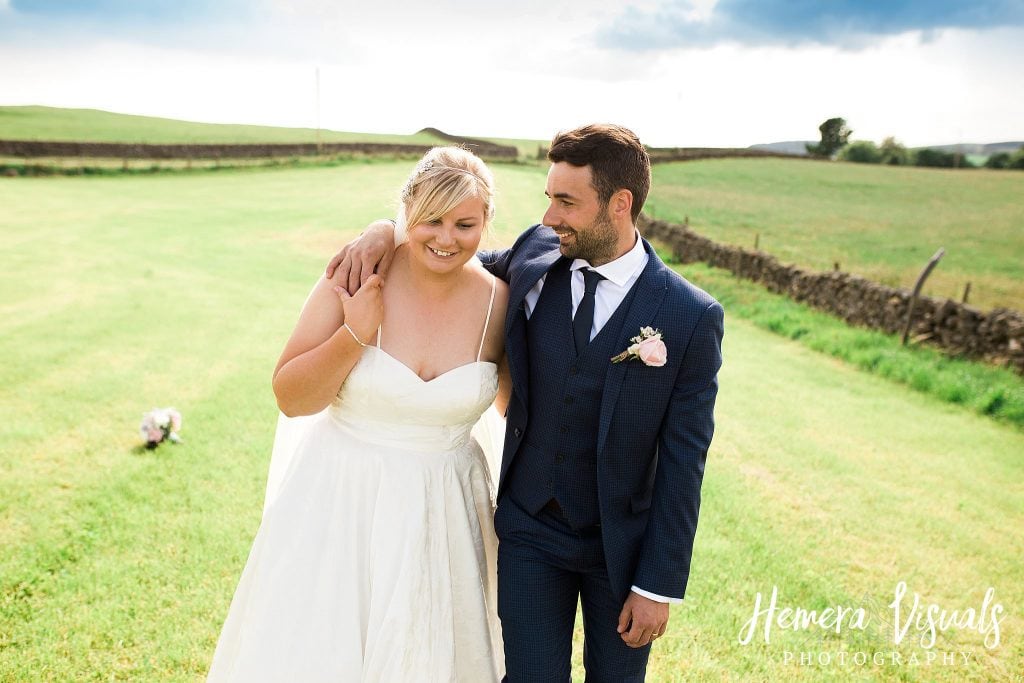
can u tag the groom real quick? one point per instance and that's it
(600, 480)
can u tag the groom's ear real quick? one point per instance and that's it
(621, 205)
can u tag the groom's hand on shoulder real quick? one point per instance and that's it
(642, 620)
(369, 253)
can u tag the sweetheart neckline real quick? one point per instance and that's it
(433, 379)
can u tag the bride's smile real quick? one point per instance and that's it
(446, 243)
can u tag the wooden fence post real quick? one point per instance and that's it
(917, 290)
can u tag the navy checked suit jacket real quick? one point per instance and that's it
(655, 424)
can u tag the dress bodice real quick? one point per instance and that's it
(384, 401)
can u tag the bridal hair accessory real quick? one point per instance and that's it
(160, 424)
(647, 346)
(424, 166)
(421, 168)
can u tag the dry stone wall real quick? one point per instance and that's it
(113, 150)
(666, 154)
(997, 336)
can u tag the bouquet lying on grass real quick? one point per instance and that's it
(160, 424)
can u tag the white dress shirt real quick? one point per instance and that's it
(620, 275)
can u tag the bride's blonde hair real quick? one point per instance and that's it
(444, 178)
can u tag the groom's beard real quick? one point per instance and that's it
(597, 242)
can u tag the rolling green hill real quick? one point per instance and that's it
(877, 221)
(50, 123)
(881, 222)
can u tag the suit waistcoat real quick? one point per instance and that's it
(558, 455)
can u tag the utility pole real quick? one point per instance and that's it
(319, 146)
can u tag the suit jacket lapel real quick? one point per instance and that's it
(650, 292)
(515, 319)
(523, 281)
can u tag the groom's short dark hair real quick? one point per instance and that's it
(616, 158)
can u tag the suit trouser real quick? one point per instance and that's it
(544, 569)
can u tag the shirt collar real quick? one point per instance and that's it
(621, 269)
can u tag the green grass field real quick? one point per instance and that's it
(52, 123)
(881, 222)
(986, 389)
(123, 293)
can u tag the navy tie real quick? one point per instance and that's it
(584, 319)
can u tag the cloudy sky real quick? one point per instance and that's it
(679, 72)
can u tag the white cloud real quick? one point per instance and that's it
(525, 70)
(952, 89)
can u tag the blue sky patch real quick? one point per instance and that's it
(845, 23)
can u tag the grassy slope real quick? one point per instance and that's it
(119, 563)
(878, 221)
(50, 123)
(983, 388)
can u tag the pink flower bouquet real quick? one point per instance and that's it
(160, 424)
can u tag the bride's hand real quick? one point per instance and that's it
(364, 310)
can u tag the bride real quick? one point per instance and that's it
(375, 560)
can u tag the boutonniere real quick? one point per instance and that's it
(647, 346)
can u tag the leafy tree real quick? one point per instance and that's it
(861, 152)
(1017, 160)
(834, 136)
(893, 153)
(938, 158)
(998, 160)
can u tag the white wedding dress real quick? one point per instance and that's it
(375, 560)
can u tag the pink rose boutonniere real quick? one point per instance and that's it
(647, 346)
